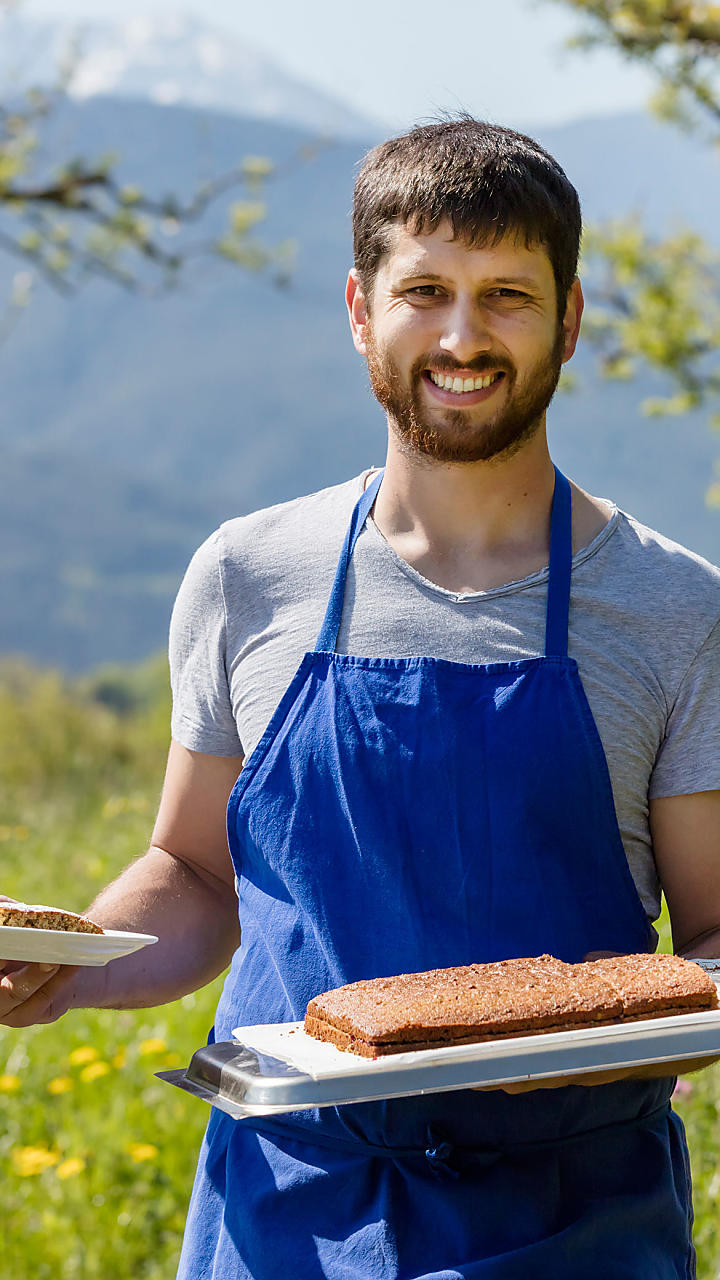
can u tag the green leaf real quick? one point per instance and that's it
(257, 166)
(246, 214)
(30, 241)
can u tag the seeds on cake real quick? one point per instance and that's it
(20, 915)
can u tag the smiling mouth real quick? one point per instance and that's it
(462, 386)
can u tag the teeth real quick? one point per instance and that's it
(461, 385)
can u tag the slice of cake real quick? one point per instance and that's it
(650, 986)
(21, 916)
(480, 1002)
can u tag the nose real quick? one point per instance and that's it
(466, 332)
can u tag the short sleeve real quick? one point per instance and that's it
(689, 758)
(202, 715)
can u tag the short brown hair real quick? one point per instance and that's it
(487, 181)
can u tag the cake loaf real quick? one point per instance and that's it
(507, 998)
(21, 916)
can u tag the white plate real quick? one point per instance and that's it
(58, 946)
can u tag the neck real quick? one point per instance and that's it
(499, 507)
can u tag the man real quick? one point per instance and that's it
(502, 737)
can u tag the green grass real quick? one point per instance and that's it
(97, 1156)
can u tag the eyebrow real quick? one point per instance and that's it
(526, 282)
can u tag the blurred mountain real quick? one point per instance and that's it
(130, 426)
(167, 59)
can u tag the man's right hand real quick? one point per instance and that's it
(34, 993)
(182, 890)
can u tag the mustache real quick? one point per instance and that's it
(479, 365)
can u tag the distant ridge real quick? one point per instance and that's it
(169, 60)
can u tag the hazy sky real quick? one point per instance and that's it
(401, 60)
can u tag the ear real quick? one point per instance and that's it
(357, 311)
(572, 318)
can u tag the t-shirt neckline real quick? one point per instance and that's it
(508, 588)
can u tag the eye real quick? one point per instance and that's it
(514, 295)
(424, 291)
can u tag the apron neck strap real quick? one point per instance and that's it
(327, 639)
(558, 599)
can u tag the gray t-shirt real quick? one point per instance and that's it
(644, 629)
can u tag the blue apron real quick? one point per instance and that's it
(401, 814)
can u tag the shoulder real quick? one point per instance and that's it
(279, 558)
(676, 590)
(668, 562)
(257, 537)
(267, 545)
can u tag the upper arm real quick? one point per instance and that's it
(203, 717)
(686, 840)
(191, 819)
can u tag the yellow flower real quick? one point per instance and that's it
(154, 1045)
(142, 1151)
(21, 833)
(120, 1058)
(61, 1084)
(31, 1160)
(94, 1071)
(70, 1167)
(9, 1084)
(85, 1054)
(172, 1060)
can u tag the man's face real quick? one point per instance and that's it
(487, 317)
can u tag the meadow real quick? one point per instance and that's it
(96, 1155)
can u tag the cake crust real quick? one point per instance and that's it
(480, 1002)
(653, 983)
(21, 916)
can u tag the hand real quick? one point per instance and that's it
(653, 1071)
(34, 993)
(559, 1082)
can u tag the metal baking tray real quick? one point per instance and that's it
(244, 1081)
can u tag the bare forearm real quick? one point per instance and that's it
(706, 946)
(194, 918)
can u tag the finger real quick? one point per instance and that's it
(519, 1086)
(23, 982)
(46, 1004)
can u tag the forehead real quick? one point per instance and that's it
(439, 252)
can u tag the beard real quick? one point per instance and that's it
(454, 435)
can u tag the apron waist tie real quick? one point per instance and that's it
(447, 1159)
